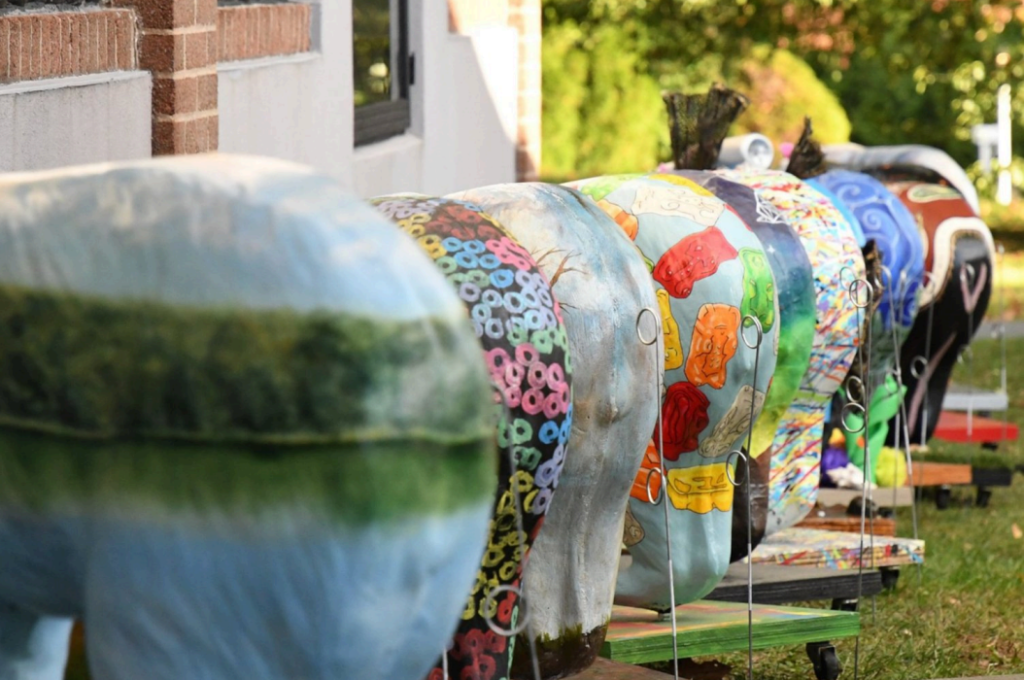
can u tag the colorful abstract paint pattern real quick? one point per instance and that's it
(886, 221)
(836, 260)
(708, 269)
(519, 325)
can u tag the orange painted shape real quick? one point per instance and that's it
(714, 342)
(650, 462)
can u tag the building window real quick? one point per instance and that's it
(382, 69)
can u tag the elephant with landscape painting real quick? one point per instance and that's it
(246, 429)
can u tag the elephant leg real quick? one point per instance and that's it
(32, 647)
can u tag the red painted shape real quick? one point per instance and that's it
(685, 415)
(952, 427)
(693, 258)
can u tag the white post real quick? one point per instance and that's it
(1004, 191)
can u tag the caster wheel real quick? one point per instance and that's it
(983, 497)
(825, 660)
(844, 605)
(943, 496)
(889, 578)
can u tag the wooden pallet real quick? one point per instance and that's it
(939, 474)
(883, 498)
(708, 628)
(776, 584)
(957, 427)
(880, 526)
(836, 550)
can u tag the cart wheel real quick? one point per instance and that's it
(824, 659)
(983, 497)
(943, 495)
(889, 578)
(844, 604)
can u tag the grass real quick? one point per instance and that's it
(963, 618)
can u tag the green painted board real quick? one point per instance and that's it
(706, 628)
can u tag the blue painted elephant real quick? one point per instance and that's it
(245, 431)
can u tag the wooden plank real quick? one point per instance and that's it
(956, 427)
(836, 550)
(904, 497)
(708, 628)
(606, 669)
(937, 474)
(967, 397)
(777, 584)
(880, 527)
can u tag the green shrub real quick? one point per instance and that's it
(783, 89)
(602, 113)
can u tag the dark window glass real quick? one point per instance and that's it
(380, 69)
(372, 50)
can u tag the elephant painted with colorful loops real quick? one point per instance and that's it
(603, 287)
(518, 322)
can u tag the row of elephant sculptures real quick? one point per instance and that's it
(252, 427)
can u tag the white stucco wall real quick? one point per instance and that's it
(297, 107)
(463, 106)
(75, 120)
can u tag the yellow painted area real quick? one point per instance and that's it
(700, 489)
(673, 345)
(626, 221)
(683, 182)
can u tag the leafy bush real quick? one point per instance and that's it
(783, 89)
(602, 112)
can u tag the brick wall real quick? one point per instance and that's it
(51, 45)
(525, 17)
(178, 45)
(178, 41)
(253, 31)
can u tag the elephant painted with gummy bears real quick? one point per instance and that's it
(712, 282)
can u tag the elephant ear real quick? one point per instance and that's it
(807, 159)
(699, 122)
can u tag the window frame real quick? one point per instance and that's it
(379, 121)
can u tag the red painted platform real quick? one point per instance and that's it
(952, 427)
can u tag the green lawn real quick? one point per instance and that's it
(964, 617)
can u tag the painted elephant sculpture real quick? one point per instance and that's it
(794, 281)
(889, 225)
(832, 249)
(244, 425)
(519, 325)
(712, 280)
(603, 287)
(960, 256)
